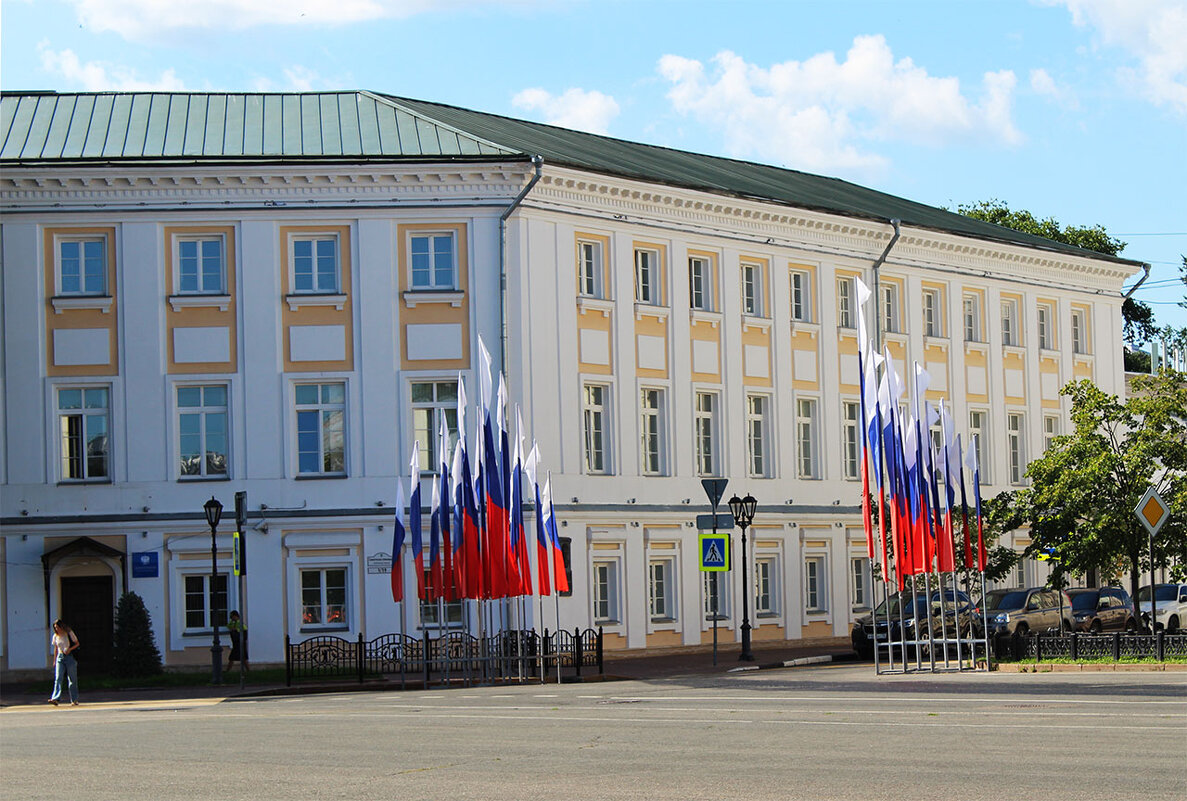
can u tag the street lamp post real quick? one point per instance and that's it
(214, 512)
(743, 512)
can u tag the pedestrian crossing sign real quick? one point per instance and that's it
(715, 552)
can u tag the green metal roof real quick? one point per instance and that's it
(50, 128)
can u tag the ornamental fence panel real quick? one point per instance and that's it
(1077, 646)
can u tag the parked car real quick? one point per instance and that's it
(908, 613)
(1097, 609)
(1170, 606)
(1021, 610)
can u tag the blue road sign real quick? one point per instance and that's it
(715, 552)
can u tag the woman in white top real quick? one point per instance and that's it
(64, 644)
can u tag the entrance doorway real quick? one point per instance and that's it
(88, 608)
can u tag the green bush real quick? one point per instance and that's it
(136, 652)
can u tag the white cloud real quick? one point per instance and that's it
(142, 20)
(822, 114)
(1154, 32)
(575, 108)
(1042, 84)
(99, 76)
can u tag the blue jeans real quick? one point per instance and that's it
(66, 671)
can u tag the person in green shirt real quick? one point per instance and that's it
(238, 631)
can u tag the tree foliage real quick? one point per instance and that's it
(136, 652)
(1080, 505)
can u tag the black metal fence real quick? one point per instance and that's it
(453, 657)
(1078, 646)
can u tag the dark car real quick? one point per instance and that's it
(1021, 610)
(1097, 609)
(910, 613)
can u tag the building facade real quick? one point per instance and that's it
(204, 294)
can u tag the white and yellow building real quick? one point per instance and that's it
(207, 293)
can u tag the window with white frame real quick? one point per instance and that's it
(972, 318)
(860, 578)
(647, 277)
(202, 435)
(590, 271)
(752, 289)
(978, 433)
(597, 426)
(700, 283)
(323, 598)
(1050, 430)
(1010, 332)
(201, 265)
(651, 427)
(889, 308)
(766, 586)
(434, 260)
(815, 579)
(807, 462)
(801, 296)
(706, 432)
(715, 592)
(933, 313)
(758, 436)
(1080, 343)
(315, 264)
(196, 602)
(82, 265)
(1046, 320)
(605, 591)
(661, 574)
(432, 402)
(846, 315)
(431, 611)
(851, 439)
(83, 433)
(321, 428)
(1016, 444)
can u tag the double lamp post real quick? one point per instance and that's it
(743, 511)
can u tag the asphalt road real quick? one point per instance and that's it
(832, 732)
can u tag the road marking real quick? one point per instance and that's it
(546, 696)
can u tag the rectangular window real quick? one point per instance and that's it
(202, 430)
(801, 296)
(978, 431)
(706, 433)
(198, 604)
(889, 308)
(323, 598)
(851, 439)
(860, 571)
(315, 265)
(1050, 430)
(805, 438)
(716, 593)
(433, 401)
(933, 313)
(596, 428)
(661, 594)
(1046, 326)
(430, 611)
(700, 286)
(321, 430)
(647, 277)
(83, 433)
(846, 316)
(605, 592)
(1010, 333)
(651, 425)
(590, 278)
(1080, 342)
(434, 261)
(201, 266)
(1015, 433)
(766, 587)
(815, 599)
(972, 318)
(758, 435)
(82, 266)
(567, 558)
(752, 289)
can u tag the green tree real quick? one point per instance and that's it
(1085, 487)
(136, 652)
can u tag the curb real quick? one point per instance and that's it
(804, 660)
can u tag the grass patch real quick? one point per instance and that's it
(1125, 660)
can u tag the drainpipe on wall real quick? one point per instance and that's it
(877, 294)
(1142, 280)
(538, 163)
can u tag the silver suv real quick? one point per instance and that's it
(1020, 610)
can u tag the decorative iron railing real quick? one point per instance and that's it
(1077, 646)
(453, 657)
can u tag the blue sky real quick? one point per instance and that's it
(1075, 109)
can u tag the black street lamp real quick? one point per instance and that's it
(743, 512)
(214, 513)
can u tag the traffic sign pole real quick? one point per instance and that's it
(1152, 511)
(714, 489)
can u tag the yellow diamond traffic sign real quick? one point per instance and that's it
(1152, 511)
